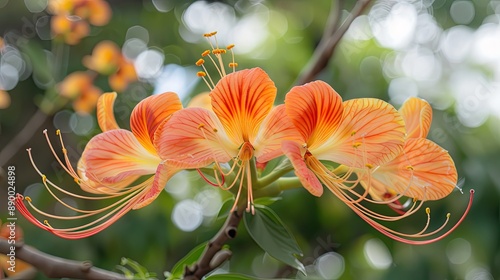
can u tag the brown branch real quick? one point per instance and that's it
(327, 45)
(214, 256)
(22, 137)
(55, 267)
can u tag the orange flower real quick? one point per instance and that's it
(109, 165)
(105, 58)
(241, 127)
(79, 87)
(367, 137)
(359, 133)
(97, 12)
(125, 75)
(422, 171)
(69, 30)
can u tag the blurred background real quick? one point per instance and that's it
(447, 52)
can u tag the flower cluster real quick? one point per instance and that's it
(363, 150)
(71, 19)
(70, 24)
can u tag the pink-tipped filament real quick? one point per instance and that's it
(122, 200)
(215, 55)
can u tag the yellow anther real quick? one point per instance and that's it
(370, 166)
(205, 53)
(64, 151)
(357, 144)
(201, 125)
(448, 215)
(28, 199)
(428, 210)
(215, 130)
(353, 133)
(47, 223)
(230, 46)
(44, 178)
(213, 33)
(201, 74)
(409, 167)
(233, 65)
(200, 62)
(210, 34)
(58, 132)
(77, 180)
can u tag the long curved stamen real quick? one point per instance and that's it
(421, 242)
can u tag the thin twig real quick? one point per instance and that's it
(214, 256)
(55, 267)
(22, 137)
(327, 45)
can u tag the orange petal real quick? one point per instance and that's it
(371, 133)
(316, 110)
(105, 115)
(275, 128)
(194, 136)
(293, 151)
(417, 114)
(150, 113)
(162, 175)
(115, 155)
(424, 171)
(242, 100)
(91, 186)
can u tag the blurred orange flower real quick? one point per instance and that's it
(4, 99)
(78, 86)
(97, 12)
(71, 18)
(124, 76)
(70, 30)
(105, 58)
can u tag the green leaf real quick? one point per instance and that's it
(133, 270)
(269, 232)
(225, 208)
(230, 276)
(189, 259)
(266, 201)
